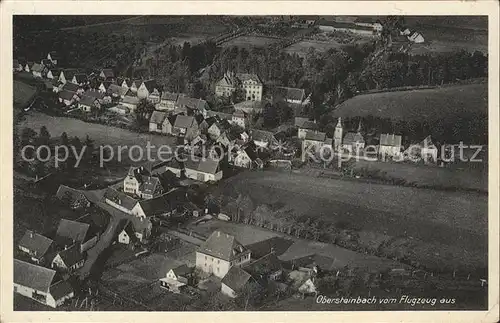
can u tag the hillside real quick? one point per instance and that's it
(425, 104)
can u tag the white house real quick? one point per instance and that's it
(290, 95)
(176, 278)
(123, 202)
(87, 103)
(219, 253)
(69, 259)
(146, 89)
(389, 145)
(203, 169)
(234, 281)
(67, 97)
(416, 38)
(161, 122)
(140, 184)
(130, 102)
(305, 127)
(239, 118)
(167, 101)
(39, 284)
(263, 139)
(36, 246)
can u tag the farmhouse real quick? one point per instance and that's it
(249, 83)
(74, 198)
(196, 105)
(147, 88)
(234, 281)
(138, 183)
(67, 97)
(80, 79)
(389, 145)
(164, 205)
(53, 57)
(185, 126)
(117, 91)
(268, 266)
(68, 260)
(289, 94)
(36, 246)
(353, 142)
(305, 127)
(40, 284)
(123, 202)
(87, 103)
(219, 253)
(176, 278)
(71, 233)
(203, 169)
(167, 101)
(107, 74)
(250, 107)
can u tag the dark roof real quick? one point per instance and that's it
(71, 255)
(168, 96)
(120, 198)
(322, 262)
(66, 95)
(87, 100)
(150, 85)
(183, 121)
(277, 244)
(70, 87)
(193, 103)
(95, 94)
(315, 136)
(37, 67)
(311, 125)
(182, 270)
(33, 276)
(353, 137)
(245, 77)
(149, 184)
(157, 205)
(46, 62)
(54, 55)
(268, 263)
(204, 165)
(157, 117)
(60, 289)
(390, 140)
(199, 118)
(290, 93)
(108, 72)
(69, 73)
(262, 135)
(222, 245)
(117, 89)
(36, 243)
(81, 78)
(106, 84)
(73, 230)
(236, 278)
(130, 100)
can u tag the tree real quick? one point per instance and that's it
(143, 111)
(44, 136)
(270, 116)
(251, 295)
(238, 95)
(64, 139)
(28, 136)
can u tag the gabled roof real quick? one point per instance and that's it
(35, 243)
(315, 136)
(66, 95)
(69, 73)
(70, 87)
(136, 82)
(94, 94)
(81, 78)
(310, 125)
(222, 245)
(236, 278)
(72, 230)
(192, 103)
(130, 100)
(117, 89)
(278, 245)
(353, 137)
(290, 93)
(71, 255)
(204, 165)
(181, 270)
(46, 62)
(120, 198)
(149, 184)
(158, 205)
(64, 191)
(54, 55)
(150, 85)
(267, 263)
(184, 121)
(106, 84)
(157, 117)
(246, 77)
(108, 72)
(60, 289)
(220, 115)
(262, 135)
(390, 140)
(169, 96)
(229, 80)
(33, 276)
(239, 114)
(87, 101)
(427, 142)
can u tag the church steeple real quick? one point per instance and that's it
(359, 126)
(337, 137)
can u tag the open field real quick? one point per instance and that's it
(424, 104)
(431, 227)
(101, 134)
(301, 48)
(23, 94)
(251, 41)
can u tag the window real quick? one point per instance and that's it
(218, 261)
(217, 269)
(205, 257)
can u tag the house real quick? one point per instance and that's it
(263, 139)
(101, 97)
(134, 85)
(119, 109)
(234, 281)
(305, 127)
(146, 88)
(167, 101)
(164, 205)
(16, 66)
(216, 129)
(176, 278)
(314, 141)
(175, 166)
(107, 74)
(389, 145)
(185, 126)
(249, 83)
(74, 198)
(268, 267)
(28, 66)
(226, 139)
(136, 231)
(87, 103)
(161, 122)
(239, 118)
(425, 150)
(71, 87)
(36, 246)
(68, 260)
(275, 245)
(53, 74)
(203, 169)
(37, 70)
(289, 94)
(75, 233)
(130, 102)
(142, 185)
(67, 97)
(103, 86)
(80, 79)
(123, 202)
(40, 284)
(53, 57)
(219, 253)
(250, 107)
(353, 142)
(67, 75)
(195, 105)
(245, 157)
(369, 23)
(117, 91)
(304, 281)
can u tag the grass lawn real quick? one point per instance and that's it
(301, 48)
(425, 104)
(250, 41)
(434, 226)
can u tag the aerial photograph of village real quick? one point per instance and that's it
(250, 163)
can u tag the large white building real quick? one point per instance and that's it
(249, 83)
(219, 253)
